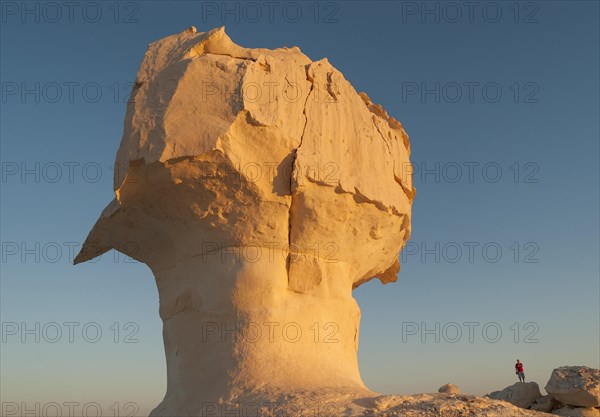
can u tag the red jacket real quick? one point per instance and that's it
(519, 367)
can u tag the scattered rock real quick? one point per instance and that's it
(575, 385)
(521, 394)
(449, 389)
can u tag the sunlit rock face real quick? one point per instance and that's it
(577, 386)
(261, 189)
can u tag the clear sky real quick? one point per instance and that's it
(500, 100)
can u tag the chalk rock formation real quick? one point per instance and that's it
(449, 389)
(261, 189)
(520, 394)
(575, 385)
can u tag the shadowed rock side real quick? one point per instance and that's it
(260, 188)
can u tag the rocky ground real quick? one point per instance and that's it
(337, 404)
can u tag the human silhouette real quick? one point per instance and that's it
(519, 371)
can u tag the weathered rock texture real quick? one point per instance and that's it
(575, 385)
(261, 189)
(520, 394)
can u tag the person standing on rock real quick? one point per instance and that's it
(519, 371)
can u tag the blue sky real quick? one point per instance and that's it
(501, 102)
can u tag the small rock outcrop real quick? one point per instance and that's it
(575, 385)
(449, 389)
(521, 394)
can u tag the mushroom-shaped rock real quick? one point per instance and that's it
(575, 385)
(260, 188)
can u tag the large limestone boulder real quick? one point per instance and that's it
(260, 188)
(575, 385)
(569, 411)
(449, 389)
(521, 394)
